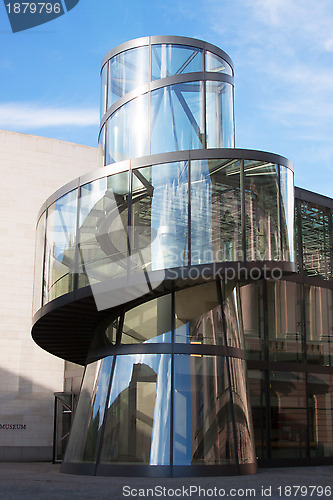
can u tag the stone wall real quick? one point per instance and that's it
(31, 169)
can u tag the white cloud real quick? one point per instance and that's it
(298, 20)
(271, 11)
(282, 51)
(28, 116)
(299, 28)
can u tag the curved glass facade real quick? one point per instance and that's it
(60, 241)
(169, 273)
(199, 119)
(171, 59)
(166, 215)
(180, 409)
(126, 71)
(164, 97)
(86, 430)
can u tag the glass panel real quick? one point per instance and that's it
(168, 60)
(284, 321)
(287, 213)
(257, 392)
(159, 216)
(232, 314)
(137, 426)
(316, 228)
(86, 430)
(261, 210)
(176, 118)
(216, 64)
(243, 420)
(320, 391)
(198, 316)
(203, 431)
(220, 115)
(103, 229)
(127, 131)
(288, 415)
(318, 307)
(215, 211)
(253, 320)
(128, 70)
(60, 247)
(104, 89)
(39, 259)
(148, 323)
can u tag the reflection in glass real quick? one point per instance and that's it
(203, 432)
(284, 321)
(127, 131)
(39, 259)
(287, 213)
(242, 414)
(159, 216)
(198, 316)
(215, 211)
(257, 396)
(128, 70)
(86, 429)
(149, 323)
(137, 426)
(216, 64)
(261, 209)
(320, 390)
(103, 229)
(60, 246)
(318, 308)
(315, 230)
(220, 115)
(232, 314)
(168, 60)
(288, 414)
(176, 118)
(251, 296)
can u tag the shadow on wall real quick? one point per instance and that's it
(26, 419)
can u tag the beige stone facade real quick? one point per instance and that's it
(31, 168)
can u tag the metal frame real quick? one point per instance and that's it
(65, 325)
(173, 156)
(200, 76)
(173, 40)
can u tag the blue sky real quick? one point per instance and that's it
(282, 52)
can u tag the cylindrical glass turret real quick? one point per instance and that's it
(163, 94)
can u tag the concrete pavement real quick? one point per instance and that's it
(43, 481)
